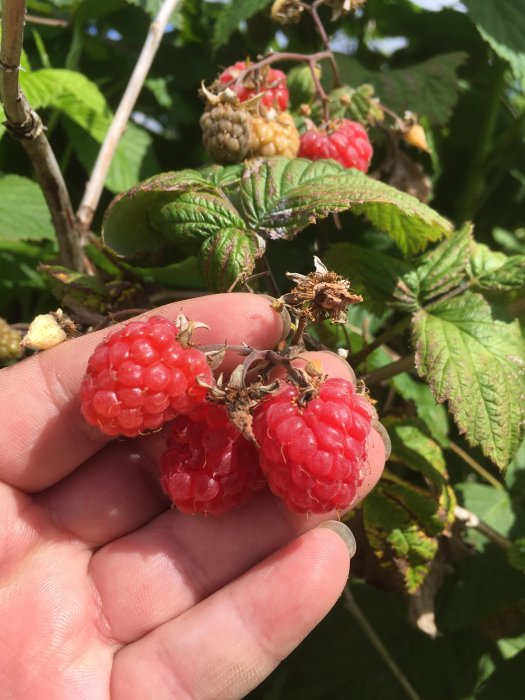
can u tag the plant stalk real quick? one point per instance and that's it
(476, 466)
(356, 359)
(26, 126)
(472, 520)
(95, 186)
(381, 374)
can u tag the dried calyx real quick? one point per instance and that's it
(320, 295)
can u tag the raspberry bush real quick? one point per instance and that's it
(267, 135)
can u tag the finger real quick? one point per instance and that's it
(40, 408)
(168, 566)
(229, 643)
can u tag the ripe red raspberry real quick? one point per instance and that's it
(314, 455)
(208, 466)
(140, 377)
(272, 84)
(347, 143)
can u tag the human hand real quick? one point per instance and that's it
(105, 592)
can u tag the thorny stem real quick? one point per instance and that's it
(369, 632)
(312, 10)
(476, 466)
(26, 126)
(95, 186)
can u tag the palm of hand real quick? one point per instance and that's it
(105, 592)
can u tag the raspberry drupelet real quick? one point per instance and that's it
(140, 377)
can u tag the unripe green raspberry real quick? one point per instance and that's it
(226, 133)
(9, 341)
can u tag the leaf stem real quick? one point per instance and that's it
(369, 632)
(391, 370)
(95, 185)
(474, 177)
(26, 126)
(390, 333)
(476, 466)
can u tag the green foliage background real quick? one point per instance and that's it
(455, 299)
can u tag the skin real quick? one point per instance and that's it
(107, 593)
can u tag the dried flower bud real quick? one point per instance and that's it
(321, 294)
(286, 11)
(48, 330)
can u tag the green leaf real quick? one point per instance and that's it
(382, 279)
(232, 15)
(337, 660)
(413, 447)
(71, 93)
(188, 218)
(68, 285)
(502, 24)
(280, 197)
(474, 360)
(516, 554)
(444, 267)
(396, 519)
(139, 224)
(23, 210)
(132, 156)
(495, 272)
(227, 257)
(491, 505)
(429, 88)
(506, 681)
(431, 413)
(483, 584)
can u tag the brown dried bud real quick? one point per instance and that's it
(286, 11)
(321, 294)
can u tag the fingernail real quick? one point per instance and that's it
(285, 316)
(343, 361)
(344, 533)
(385, 437)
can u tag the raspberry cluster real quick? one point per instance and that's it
(308, 444)
(247, 117)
